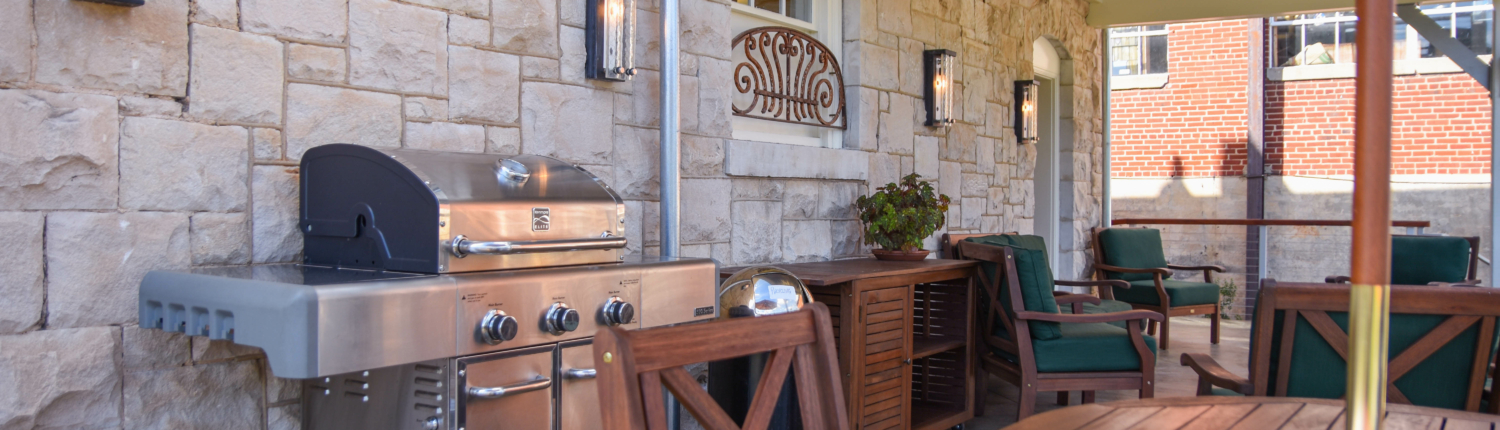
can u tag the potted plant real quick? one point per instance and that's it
(899, 215)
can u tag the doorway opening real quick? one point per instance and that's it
(1052, 179)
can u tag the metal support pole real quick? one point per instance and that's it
(1261, 246)
(671, 245)
(1369, 297)
(1106, 208)
(1494, 157)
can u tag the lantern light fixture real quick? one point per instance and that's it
(938, 68)
(1026, 111)
(610, 28)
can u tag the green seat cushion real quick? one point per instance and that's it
(1104, 307)
(1135, 248)
(1418, 260)
(1034, 276)
(1216, 391)
(1086, 347)
(1182, 293)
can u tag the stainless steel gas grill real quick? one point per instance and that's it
(440, 291)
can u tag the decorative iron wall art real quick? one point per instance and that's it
(784, 75)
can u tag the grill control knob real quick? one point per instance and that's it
(498, 327)
(561, 319)
(618, 311)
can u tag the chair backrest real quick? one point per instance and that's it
(1002, 282)
(1419, 260)
(949, 244)
(634, 366)
(1441, 340)
(1135, 248)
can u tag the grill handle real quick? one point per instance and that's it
(540, 383)
(462, 246)
(580, 374)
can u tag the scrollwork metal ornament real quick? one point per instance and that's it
(785, 75)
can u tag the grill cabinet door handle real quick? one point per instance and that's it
(462, 246)
(580, 374)
(540, 383)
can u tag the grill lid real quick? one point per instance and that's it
(433, 212)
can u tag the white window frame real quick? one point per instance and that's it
(826, 25)
(1140, 35)
(1412, 40)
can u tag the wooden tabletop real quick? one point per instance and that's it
(1227, 412)
(825, 273)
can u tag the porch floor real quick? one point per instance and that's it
(1189, 334)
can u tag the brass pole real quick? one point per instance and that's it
(1369, 298)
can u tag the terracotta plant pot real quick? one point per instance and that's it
(885, 254)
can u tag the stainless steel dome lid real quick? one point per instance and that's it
(760, 291)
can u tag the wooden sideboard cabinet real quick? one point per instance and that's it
(905, 343)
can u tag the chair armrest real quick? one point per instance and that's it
(1210, 371)
(1464, 283)
(1103, 283)
(1157, 270)
(1211, 267)
(1076, 298)
(1133, 314)
(1336, 279)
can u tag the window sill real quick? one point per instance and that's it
(1138, 82)
(779, 160)
(1421, 66)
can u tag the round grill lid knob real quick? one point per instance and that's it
(618, 311)
(512, 171)
(498, 327)
(562, 319)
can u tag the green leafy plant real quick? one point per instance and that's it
(899, 215)
(1228, 292)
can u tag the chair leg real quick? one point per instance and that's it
(1166, 332)
(1062, 398)
(1088, 397)
(1151, 328)
(1026, 405)
(981, 390)
(1218, 314)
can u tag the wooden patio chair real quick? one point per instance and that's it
(1077, 303)
(1135, 255)
(1441, 340)
(1028, 343)
(634, 366)
(1431, 260)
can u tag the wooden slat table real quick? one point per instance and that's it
(904, 340)
(1226, 412)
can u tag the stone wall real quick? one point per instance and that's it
(167, 137)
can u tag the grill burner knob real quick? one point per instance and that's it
(618, 311)
(498, 327)
(562, 319)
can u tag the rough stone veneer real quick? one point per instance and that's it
(167, 137)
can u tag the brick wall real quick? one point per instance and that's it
(1195, 126)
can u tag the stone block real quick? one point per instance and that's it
(800, 200)
(758, 189)
(954, 217)
(445, 136)
(221, 238)
(219, 396)
(756, 234)
(398, 47)
(567, 122)
(287, 417)
(705, 210)
(688, 96)
(423, 108)
(642, 107)
(884, 169)
(150, 106)
(16, 48)
(976, 92)
(175, 165)
(960, 144)
(218, 13)
(62, 153)
(66, 378)
(207, 350)
(910, 70)
(863, 119)
(279, 389)
(21, 272)
(836, 200)
(971, 218)
(634, 238)
(926, 157)
(650, 225)
(150, 348)
(703, 28)
(95, 262)
(996, 201)
(991, 224)
(895, 16)
(321, 21)
(573, 13)
(267, 143)
(485, 86)
(985, 153)
(975, 185)
(91, 45)
(648, 40)
(318, 63)
(714, 101)
(748, 158)
(637, 157)
(897, 128)
(875, 67)
(274, 236)
(803, 241)
(539, 68)
(503, 140)
(848, 239)
(466, 31)
(950, 180)
(526, 26)
(471, 7)
(319, 115)
(702, 156)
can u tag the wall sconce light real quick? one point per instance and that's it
(938, 69)
(610, 28)
(1026, 93)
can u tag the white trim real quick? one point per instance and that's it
(1418, 66)
(770, 160)
(778, 19)
(1138, 82)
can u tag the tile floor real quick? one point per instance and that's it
(1189, 334)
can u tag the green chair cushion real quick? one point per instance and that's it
(1034, 276)
(1182, 293)
(1135, 248)
(1086, 347)
(1104, 307)
(1216, 391)
(1418, 260)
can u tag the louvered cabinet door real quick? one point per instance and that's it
(881, 379)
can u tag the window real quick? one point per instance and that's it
(1139, 50)
(821, 19)
(1328, 38)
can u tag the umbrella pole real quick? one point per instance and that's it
(1369, 304)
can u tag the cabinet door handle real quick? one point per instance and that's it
(540, 383)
